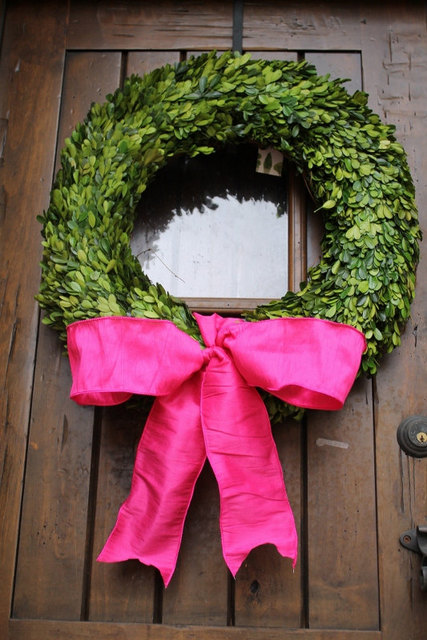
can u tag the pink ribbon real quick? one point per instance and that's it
(207, 405)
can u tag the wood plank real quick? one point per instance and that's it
(274, 55)
(140, 62)
(315, 233)
(50, 569)
(224, 305)
(51, 555)
(344, 65)
(198, 591)
(297, 231)
(343, 578)
(80, 90)
(31, 76)
(396, 48)
(338, 65)
(161, 25)
(123, 591)
(280, 25)
(268, 593)
(342, 549)
(50, 630)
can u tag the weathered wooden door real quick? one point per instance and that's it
(66, 469)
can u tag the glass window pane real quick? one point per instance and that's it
(211, 227)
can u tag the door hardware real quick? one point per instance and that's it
(416, 540)
(412, 436)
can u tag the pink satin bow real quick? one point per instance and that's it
(207, 405)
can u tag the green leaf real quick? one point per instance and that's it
(329, 204)
(91, 219)
(123, 146)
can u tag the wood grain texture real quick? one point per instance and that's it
(343, 583)
(31, 75)
(141, 62)
(51, 560)
(88, 77)
(268, 593)
(49, 630)
(350, 465)
(122, 591)
(198, 591)
(342, 543)
(165, 24)
(51, 554)
(343, 65)
(396, 78)
(292, 25)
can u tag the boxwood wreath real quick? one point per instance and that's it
(355, 169)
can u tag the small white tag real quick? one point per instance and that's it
(269, 161)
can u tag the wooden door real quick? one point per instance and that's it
(66, 469)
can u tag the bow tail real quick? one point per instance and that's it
(169, 459)
(255, 509)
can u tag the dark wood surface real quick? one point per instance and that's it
(65, 470)
(51, 630)
(31, 76)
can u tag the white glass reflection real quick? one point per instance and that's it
(233, 249)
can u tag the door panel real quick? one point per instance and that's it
(51, 558)
(29, 109)
(351, 489)
(342, 545)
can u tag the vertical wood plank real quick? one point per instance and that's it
(50, 569)
(88, 78)
(122, 591)
(339, 65)
(343, 577)
(30, 77)
(140, 62)
(344, 65)
(297, 231)
(198, 592)
(342, 544)
(268, 593)
(395, 74)
(127, 590)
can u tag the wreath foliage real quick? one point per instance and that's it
(351, 161)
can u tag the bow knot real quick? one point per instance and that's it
(207, 406)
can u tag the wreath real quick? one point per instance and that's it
(355, 169)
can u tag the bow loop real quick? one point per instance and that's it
(112, 358)
(307, 362)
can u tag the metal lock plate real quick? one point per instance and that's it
(412, 436)
(416, 540)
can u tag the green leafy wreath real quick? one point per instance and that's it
(353, 165)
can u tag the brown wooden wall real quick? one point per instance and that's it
(65, 469)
